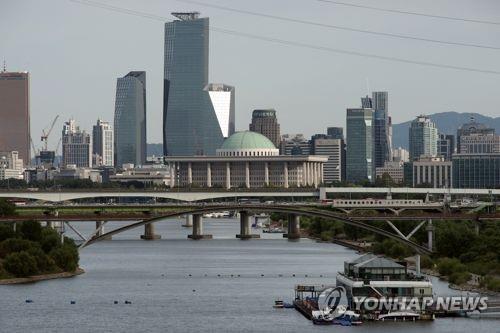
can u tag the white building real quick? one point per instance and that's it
(149, 176)
(103, 144)
(246, 160)
(11, 166)
(400, 155)
(333, 150)
(222, 97)
(433, 171)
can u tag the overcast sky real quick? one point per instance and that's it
(75, 53)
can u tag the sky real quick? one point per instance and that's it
(76, 52)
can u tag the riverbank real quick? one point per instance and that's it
(42, 277)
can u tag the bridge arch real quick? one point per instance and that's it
(304, 211)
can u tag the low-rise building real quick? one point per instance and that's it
(476, 171)
(394, 169)
(149, 176)
(246, 160)
(432, 171)
(11, 166)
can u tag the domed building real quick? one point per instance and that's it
(246, 160)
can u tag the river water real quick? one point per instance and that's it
(179, 285)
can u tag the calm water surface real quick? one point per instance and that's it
(155, 277)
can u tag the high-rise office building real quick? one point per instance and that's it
(472, 127)
(400, 155)
(11, 166)
(222, 97)
(15, 113)
(423, 137)
(130, 119)
(332, 148)
(446, 146)
(266, 123)
(190, 124)
(76, 146)
(383, 130)
(360, 152)
(103, 144)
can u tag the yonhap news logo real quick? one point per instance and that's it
(439, 303)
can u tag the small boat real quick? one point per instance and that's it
(279, 304)
(399, 316)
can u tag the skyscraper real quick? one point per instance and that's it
(446, 146)
(190, 124)
(423, 137)
(360, 150)
(266, 123)
(130, 119)
(76, 147)
(103, 144)
(338, 133)
(222, 97)
(332, 148)
(382, 122)
(472, 127)
(15, 113)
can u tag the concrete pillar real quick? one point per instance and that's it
(247, 174)
(50, 224)
(209, 175)
(189, 221)
(98, 225)
(173, 174)
(245, 227)
(293, 227)
(198, 228)
(430, 235)
(149, 232)
(190, 173)
(304, 174)
(476, 227)
(266, 173)
(315, 174)
(228, 175)
(285, 175)
(417, 264)
(322, 176)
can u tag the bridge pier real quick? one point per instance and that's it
(149, 232)
(476, 227)
(293, 227)
(189, 221)
(99, 226)
(430, 235)
(245, 227)
(198, 228)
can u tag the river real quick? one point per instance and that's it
(179, 285)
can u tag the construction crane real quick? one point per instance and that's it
(45, 134)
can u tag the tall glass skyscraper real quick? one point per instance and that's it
(382, 126)
(360, 150)
(423, 137)
(190, 124)
(130, 119)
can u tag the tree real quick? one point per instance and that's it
(50, 240)
(6, 231)
(31, 230)
(7, 208)
(20, 264)
(12, 245)
(66, 257)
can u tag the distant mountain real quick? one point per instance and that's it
(155, 149)
(446, 122)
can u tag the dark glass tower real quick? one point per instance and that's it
(190, 125)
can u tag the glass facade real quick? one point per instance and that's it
(359, 156)
(476, 171)
(190, 124)
(423, 137)
(130, 119)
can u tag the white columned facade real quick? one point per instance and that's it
(209, 175)
(228, 175)
(247, 174)
(285, 174)
(304, 174)
(190, 173)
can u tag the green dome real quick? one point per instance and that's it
(247, 140)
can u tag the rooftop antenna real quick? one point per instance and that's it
(4, 66)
